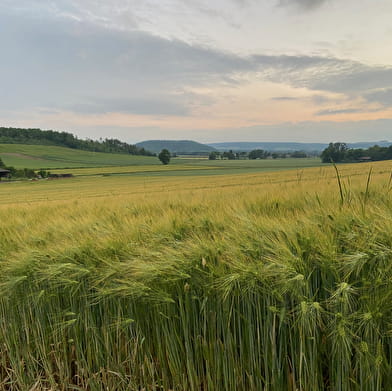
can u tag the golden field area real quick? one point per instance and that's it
(256, 281)
(92, 182)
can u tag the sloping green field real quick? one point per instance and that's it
(41, 156)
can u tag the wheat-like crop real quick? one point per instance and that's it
(259, 282)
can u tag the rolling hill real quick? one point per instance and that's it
(175, 146)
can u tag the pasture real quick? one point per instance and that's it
(266, 280)
(77, 162)
(48, 157)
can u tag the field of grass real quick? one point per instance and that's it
(191, 167)
(66, 160)
(144, 170)
(42, 156)
(264, 281)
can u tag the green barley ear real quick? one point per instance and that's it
(341, 193)
(366, 194)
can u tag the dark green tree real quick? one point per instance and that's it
(164, 156)
(335, 152)
(229, 155)
(298, 154)
(43, 173)
(258, 154)
(2, 165)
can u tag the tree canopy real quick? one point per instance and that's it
(64, 139)
(335, 152)
(164, 156)
(339, 152)
(258, 154)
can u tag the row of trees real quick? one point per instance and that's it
(255, 154)
(24, 172)
(164, 156)
(340, 153)
(64, 139)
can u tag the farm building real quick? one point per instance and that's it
(4, 173)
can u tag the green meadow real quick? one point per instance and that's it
(83, 163)
(48, 157)
(271, 276)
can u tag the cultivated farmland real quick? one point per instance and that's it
(43, 156)
(277, 280)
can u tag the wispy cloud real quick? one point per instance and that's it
(69, 62)
(84, 67)
(382, 96)
(284, 98)
(337, 111)
(330, 75)
(304, 4)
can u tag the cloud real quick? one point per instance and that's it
(303, 4)
(382, 96)
(284, 98)
(355, 78)
(322, 99)
(329, 74)
(307, 131)
(140, 106)
(61, 63)
(243, 3)
(338, 111)
(56, 62)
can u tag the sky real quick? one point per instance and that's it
(210, 71)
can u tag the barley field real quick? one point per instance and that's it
(266, 281)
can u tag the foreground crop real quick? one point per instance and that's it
(258, 283)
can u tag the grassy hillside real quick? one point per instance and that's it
(34, 136)
(265, 281)
(42, 156)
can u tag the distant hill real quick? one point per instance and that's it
(68, 140)
(288, 146)
(176, 146)
(382, 143)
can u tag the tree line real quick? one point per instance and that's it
(23, 172)
(340, 153)
(68, 140)
(255, 154)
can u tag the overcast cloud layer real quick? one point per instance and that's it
(137, 71)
